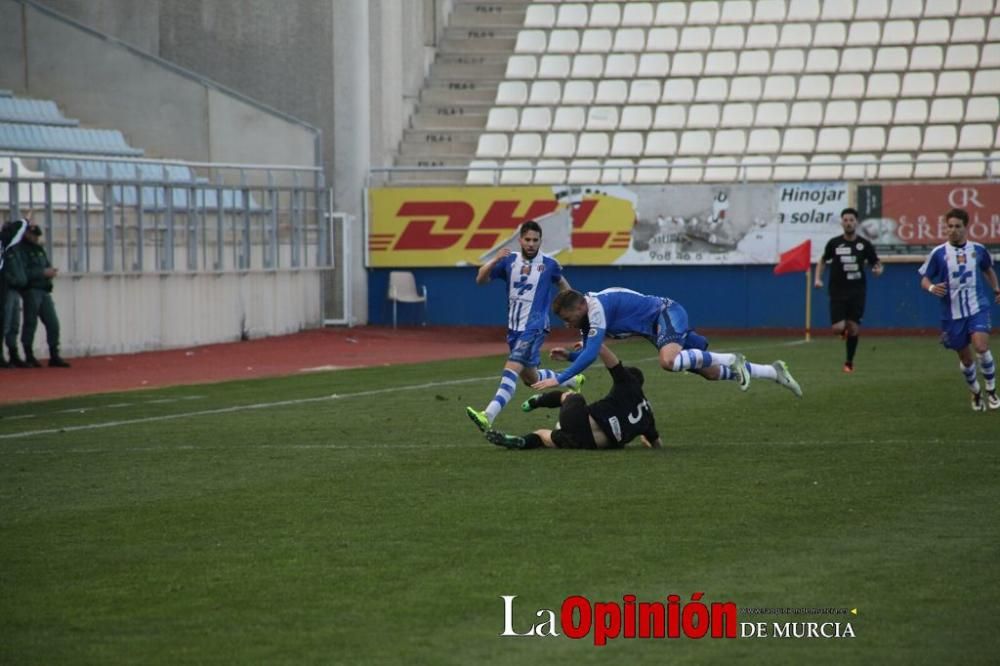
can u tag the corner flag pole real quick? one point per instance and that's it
(808, 300)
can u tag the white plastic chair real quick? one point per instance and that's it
(403, 289)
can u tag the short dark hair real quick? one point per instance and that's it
(530, 225)
(958, 214)
(636, 374)
(567, 300)
(851, 211)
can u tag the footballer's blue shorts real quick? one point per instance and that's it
(957, 333)
(672, 327)
(526, 347)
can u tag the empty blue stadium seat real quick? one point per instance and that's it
(49, 138)
(36, 111)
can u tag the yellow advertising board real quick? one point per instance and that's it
(459, 226)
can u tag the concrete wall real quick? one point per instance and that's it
(169, 114)
(119, 314)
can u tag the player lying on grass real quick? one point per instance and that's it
(623, 313)
(609, 423)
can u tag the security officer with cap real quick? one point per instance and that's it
(37, 297)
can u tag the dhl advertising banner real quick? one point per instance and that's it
(910, 218)
(602, 225)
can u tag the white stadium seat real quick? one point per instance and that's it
(661, 40)
(899, 32)
(652, 170)
(868, 138)
(745, 88)
(629, 40)
(521, 67)
(896, 166)
(982, 109)
(620, 65)
(584, 172)
(678, 90)
(883, 85)
(918, 84)
(627, 144)
(860, 166)
(595, 40)
(830, 34)
(848, 86)
(720, 63)
(987, 82)
(686, 170)
(857, 60)
(695, 38)
(536, 119)
(806, 114)
(618, 170)
(772, 114)
(788, 61)
(545, 93)
(841, 113)
(653, 65)
(568, 119)
(572, 16)
(559, 144)
(933, 31)
(756, 167)
(904, 138)
(492, 145)
(762, 37)
(780, 87)
(549, 175)
(769, 11)
(991, 56)
(593, 144)
(670, 116)
(687, 64)
(763, 141)
(931, 165)
(728, 37)
(976, 8)
(730, 142)
(564, 41)
(872, 9)
(712, 89)
(891, 59)
(578, 92)
(814, 86)
(587, 66)
(962, 168)
(530, 41)
(968, 30)
(833, 140)
(947, 8)
(639, 14)
(671, 13)
(864, 33)
(926, 58)
(790, 167)
(737, 115)
(636, 118)
(824, 167)
(975, 136)
(906, 9)
(961, 56)
(799, 140)
(605, 15)
(501, 119)
(644, 91)
(754, 62)
(940, 137)
(478, 175)
(526, 145)
(540, 16)
(946, 110)
(703, 115)
(704, 12)
(823, 60)
(954, 83)
(602, 118)
(796, 35)
(736, 11)
(661, 144)
(611, 91)
(803, 10)
(512, 93)
(720, 169)
(554, 67)
(875, 112)
(910, 111)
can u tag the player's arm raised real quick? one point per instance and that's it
(483, 276)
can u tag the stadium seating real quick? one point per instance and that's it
(731, 85)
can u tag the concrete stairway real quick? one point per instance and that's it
(458, 94)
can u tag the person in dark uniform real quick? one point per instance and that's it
(12, 280)
(609, 423)
(847, 255)
(37, 297)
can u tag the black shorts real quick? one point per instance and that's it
(849, 306)
(574, 425)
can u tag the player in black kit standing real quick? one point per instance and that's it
(847, 255)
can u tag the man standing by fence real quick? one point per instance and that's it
(37, 297)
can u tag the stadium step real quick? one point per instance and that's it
(452, 142)
(433, 160)
(454, 91)
(469, 66)
(489, 14)
(435, 117)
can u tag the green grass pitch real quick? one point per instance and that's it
(208, 524)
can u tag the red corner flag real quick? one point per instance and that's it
(795, 260)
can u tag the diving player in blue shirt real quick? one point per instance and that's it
(951, 272)
(532, 278)
(623, 313)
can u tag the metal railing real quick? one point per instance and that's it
(117, 215)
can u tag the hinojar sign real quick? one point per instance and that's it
(910, 218)
(459, 226)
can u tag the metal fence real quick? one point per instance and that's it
(140, 216)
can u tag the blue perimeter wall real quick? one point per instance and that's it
(726, 297)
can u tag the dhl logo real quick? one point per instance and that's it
(446, 230)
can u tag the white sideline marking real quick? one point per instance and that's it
(288, 403)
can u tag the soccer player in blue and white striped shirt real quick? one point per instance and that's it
(955, 272)
(532, 279)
